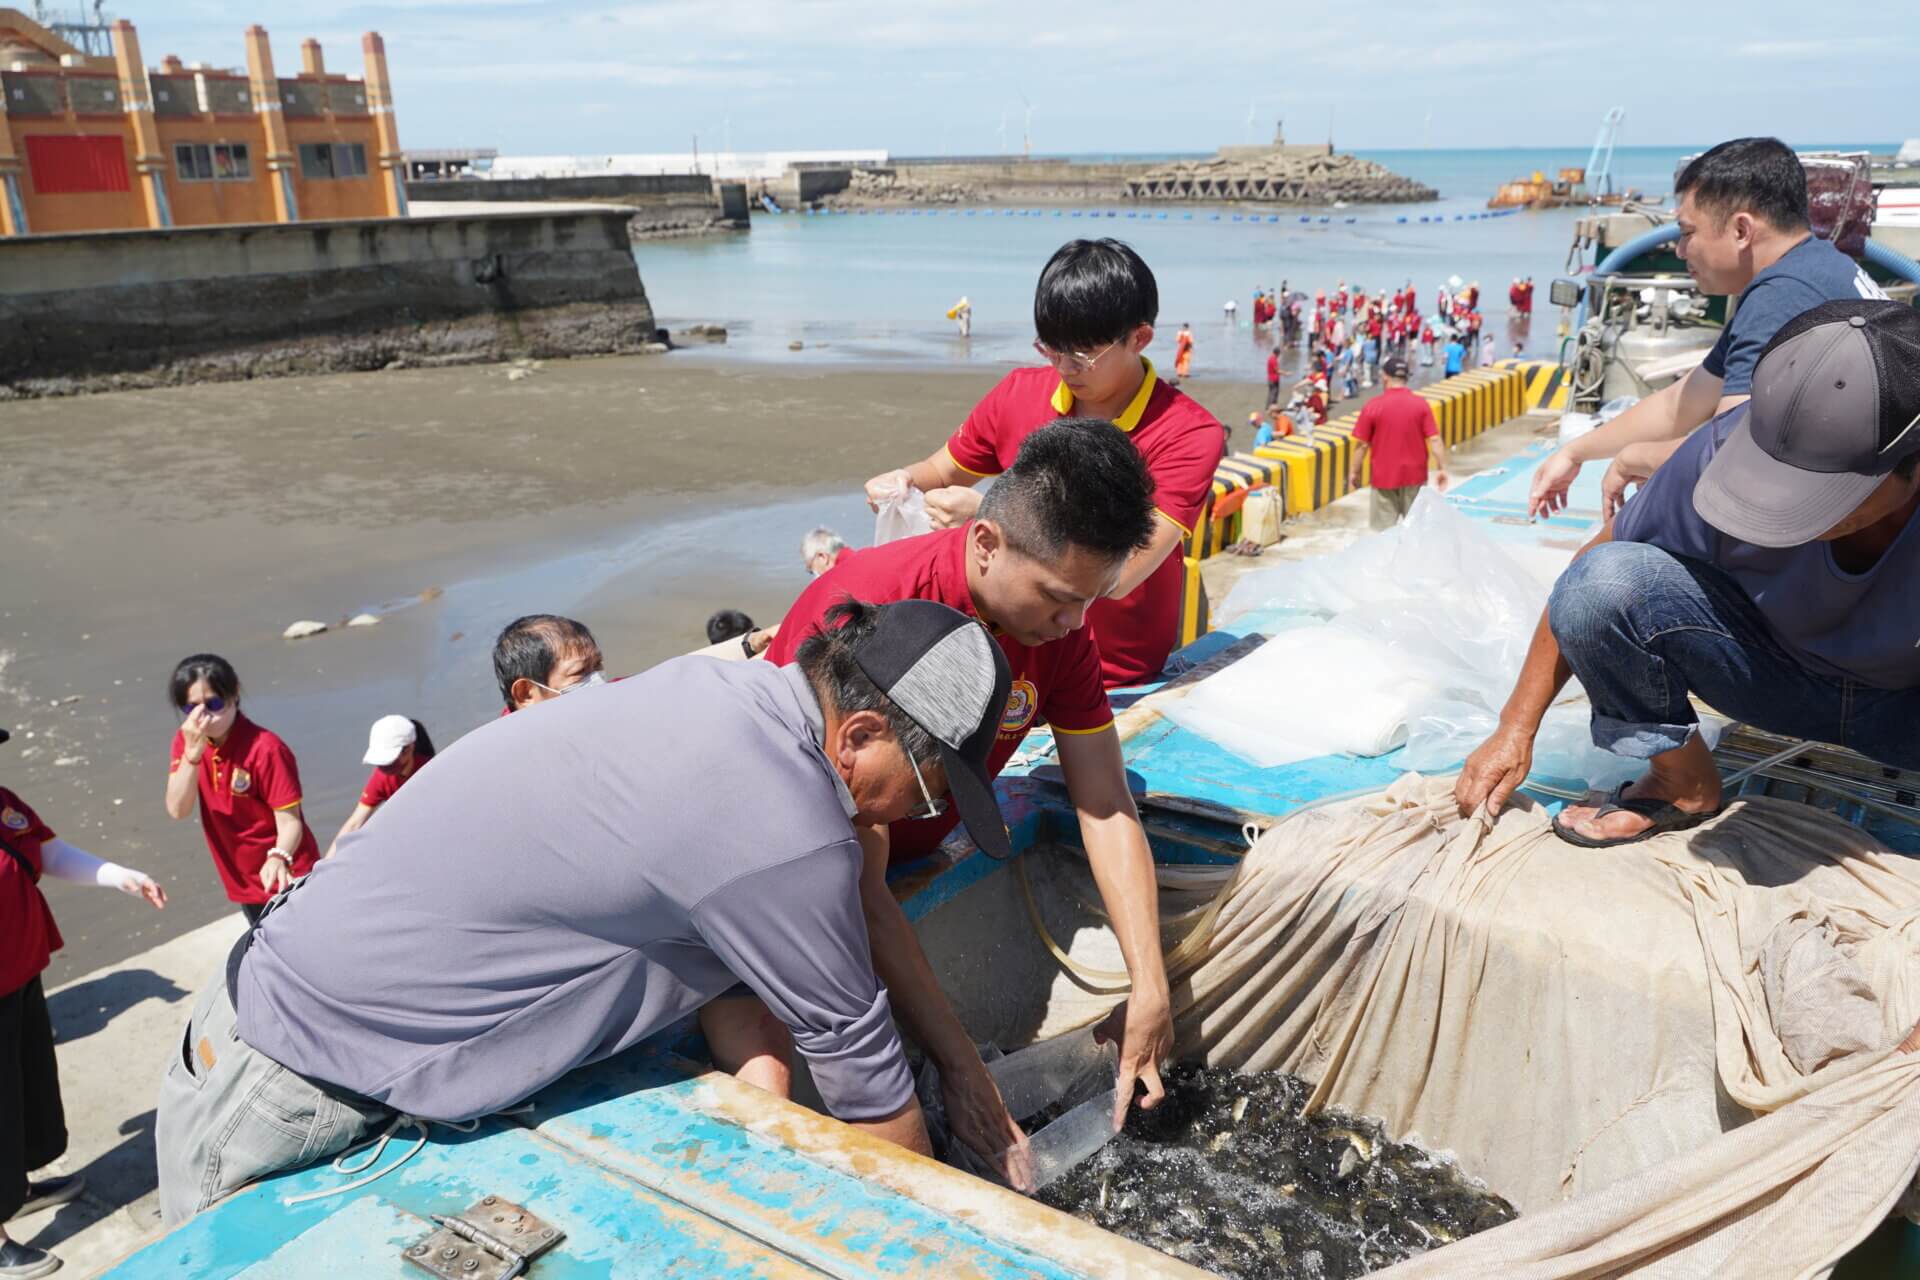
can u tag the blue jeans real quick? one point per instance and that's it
(1643, 628)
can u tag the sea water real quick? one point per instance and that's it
(1225, 1174)
(874, 287)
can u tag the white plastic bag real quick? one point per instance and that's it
(1410, 637)
(903, 513)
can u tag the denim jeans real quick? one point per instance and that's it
(1643, 628)
(229, 1115)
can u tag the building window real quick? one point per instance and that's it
(212, 162)
(321, 160)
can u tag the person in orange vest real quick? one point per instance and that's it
(1183, 352)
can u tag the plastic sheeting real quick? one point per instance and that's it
(1410, 637)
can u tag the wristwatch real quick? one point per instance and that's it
(746, 644)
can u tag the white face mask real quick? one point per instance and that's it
(593, 678)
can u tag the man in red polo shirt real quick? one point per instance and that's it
(1094, 311)
(1058, 529)
(1398, 429)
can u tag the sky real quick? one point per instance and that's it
(1114, 77)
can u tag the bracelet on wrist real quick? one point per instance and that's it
(281, 854)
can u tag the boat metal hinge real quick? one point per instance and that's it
(494, 1240)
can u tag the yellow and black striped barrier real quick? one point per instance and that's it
(1311, 474)
(1546, 382)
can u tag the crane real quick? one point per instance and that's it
(1600, 163)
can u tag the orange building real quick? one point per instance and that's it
(96, 143)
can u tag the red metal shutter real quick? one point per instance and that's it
(76, 165)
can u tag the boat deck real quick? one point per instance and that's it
(653, 1166)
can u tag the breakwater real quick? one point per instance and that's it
(664, 205)
(107, 310)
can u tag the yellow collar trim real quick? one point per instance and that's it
(1130, 417)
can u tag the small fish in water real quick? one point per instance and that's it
(1226, 1174)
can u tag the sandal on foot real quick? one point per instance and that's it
(1664, 816)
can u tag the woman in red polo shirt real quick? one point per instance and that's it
(33, 1127)
(246, 781)
(396, 747)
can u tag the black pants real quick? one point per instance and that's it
(33, 1124)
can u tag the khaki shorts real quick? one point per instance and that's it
(1390, 506)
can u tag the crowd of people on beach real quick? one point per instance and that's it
(1762, 568)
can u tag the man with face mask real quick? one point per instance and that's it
(1055, 533)
(543, 655)
(1743, 231)
(1767, 570)
(560, 886)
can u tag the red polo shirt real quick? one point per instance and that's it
(1182, 444)
(1396, 424)
(1058, 682)
(28, 936)
(244, 781)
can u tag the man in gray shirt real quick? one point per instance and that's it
(1767, 569)
(562, 884)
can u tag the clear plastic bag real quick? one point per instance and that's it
(903, 514)
(1075, 1070)
(1408, 638)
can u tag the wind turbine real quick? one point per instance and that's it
(1026, 136)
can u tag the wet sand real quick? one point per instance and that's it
(638, 494)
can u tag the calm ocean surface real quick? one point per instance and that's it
(875, 287)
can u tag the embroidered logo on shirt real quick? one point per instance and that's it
(1021, 703)
(12, 819)
(242, 781)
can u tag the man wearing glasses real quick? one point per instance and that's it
(560, 886)
(1067, 521)
(1094, 310)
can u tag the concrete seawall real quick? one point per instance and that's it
(146, 308)
(663, 205)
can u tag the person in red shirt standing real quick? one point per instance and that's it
(396, 748)
(246, 781)
(1273, 377)
(1094, 311)
(1061, 526)
(1398, 429)
(33, 1122)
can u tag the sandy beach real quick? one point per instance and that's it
(636, 493)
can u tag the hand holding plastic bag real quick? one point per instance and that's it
(901, 508)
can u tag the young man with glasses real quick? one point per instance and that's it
(1057, 531)
(1094, 310)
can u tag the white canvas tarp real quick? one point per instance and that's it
(1677, 1058)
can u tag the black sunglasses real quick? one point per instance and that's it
(214, 705)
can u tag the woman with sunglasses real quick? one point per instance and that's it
(33, 1124)
(246, 781)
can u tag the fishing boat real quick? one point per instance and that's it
(651, 1164)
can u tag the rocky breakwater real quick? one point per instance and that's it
(1277, 175)
(868, 188)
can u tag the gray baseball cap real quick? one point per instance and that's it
(1835, 407)
(948, 675)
